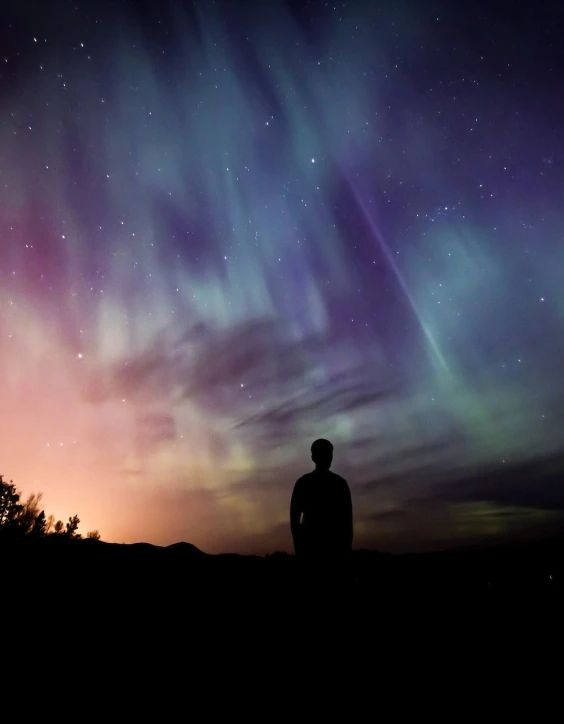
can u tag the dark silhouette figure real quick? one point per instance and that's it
(321, 512)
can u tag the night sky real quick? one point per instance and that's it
(230, 228)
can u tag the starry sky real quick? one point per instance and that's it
(230, 228)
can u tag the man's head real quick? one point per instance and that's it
(322, 454)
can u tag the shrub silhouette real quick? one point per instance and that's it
(72, 527)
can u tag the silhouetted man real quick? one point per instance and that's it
(321, 511)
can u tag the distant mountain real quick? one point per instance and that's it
(186, 549)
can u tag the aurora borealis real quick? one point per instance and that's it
(230, 228)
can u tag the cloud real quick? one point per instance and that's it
(208, 365)
(154, 428)
(279, 417)
(428, 526)
(141, 377)
(315, 402)
(260, 357)
(537, 483)
(434, 505)
(387, 515)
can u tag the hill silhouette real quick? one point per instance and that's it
(534, 569)
(141, 605)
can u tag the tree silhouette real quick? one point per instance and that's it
(20, 519)
(59, 527)
(93, 535)
(39, 525)
(49, 524)
(72, 527)
(10, 506)
(28, 514)
(27, 519)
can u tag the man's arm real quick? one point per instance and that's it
(295, 514)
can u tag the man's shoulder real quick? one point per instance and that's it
(326, 474)
(337, 478)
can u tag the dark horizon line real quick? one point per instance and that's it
(468, 547)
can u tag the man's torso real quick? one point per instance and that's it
(323, 498)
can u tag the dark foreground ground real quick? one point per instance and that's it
(177, 610)
(106, 579)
